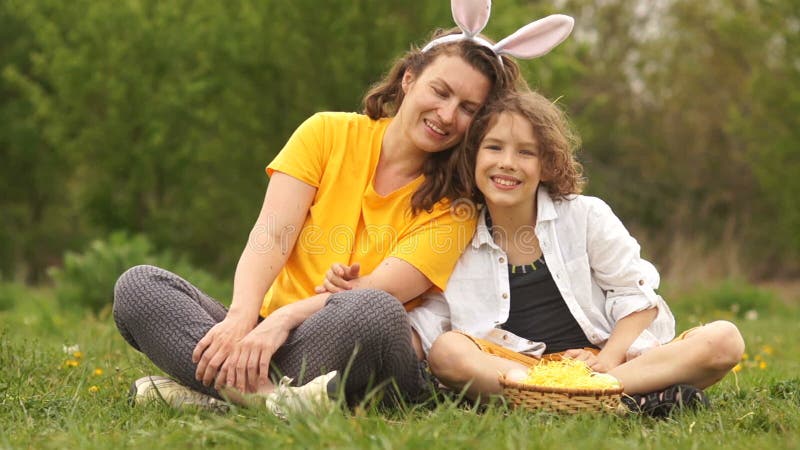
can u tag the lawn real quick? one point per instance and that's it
(65, 373)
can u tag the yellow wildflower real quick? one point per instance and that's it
(762, 365)
(768, 349)
(97, 372)
(78, 354)
(94, 389)
(72, 363)
(737, 368)
(745, 357)
(758, 358)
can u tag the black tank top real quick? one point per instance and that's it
(538, 312)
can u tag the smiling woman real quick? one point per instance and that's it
(392, 166)
(438, 106)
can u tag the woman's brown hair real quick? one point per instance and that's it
(385, 97)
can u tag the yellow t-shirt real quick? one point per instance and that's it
(348, 221)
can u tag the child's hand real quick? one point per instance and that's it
(601, 363)
(338, 277)
(591, 360)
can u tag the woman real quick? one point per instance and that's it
(371, 188)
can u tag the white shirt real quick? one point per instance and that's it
(594, 262)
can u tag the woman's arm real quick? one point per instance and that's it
(271, 240)
(247, 368)
(395, 276)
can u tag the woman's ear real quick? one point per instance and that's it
(407, 81)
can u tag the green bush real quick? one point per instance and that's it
(87, 279)
(9, 294)
(160, 116)
(732, 298)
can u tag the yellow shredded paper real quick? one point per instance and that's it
(568, 373)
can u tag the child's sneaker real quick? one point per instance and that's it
(663, 403)
(151, 388)
(314, 396)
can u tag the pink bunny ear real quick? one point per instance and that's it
(537, 38)
(471, 15)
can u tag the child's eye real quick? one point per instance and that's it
(493, 147)
(528, 152)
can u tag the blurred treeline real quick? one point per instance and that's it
(157, 117)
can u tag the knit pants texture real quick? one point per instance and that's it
(364, 334)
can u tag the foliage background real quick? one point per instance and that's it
(156, 118)
(136, 131)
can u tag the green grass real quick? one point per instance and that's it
(45, 403)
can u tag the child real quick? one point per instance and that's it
(551, 272)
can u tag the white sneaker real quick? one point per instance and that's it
(314, 396)
(152, 388)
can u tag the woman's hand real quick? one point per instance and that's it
(597, 363)
(247, 367)
(338, 278)
(215, 347)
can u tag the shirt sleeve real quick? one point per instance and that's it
(304, 155)
(430, 320)
(614, 257)
(433, 246)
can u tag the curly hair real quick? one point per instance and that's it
(384, 98)
(556, 139)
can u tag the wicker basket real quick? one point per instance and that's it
(562, 400)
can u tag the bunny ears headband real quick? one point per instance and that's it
(531, 41)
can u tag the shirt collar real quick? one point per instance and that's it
(546, 209)
(482, 234)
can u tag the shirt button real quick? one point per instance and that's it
(502, 260)
(505, 337)
(505, 295)
(641, 282)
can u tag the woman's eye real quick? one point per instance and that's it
(440, 92)
(470, 110)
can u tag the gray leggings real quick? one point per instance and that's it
(364, 331)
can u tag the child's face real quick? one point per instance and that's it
(508, 168)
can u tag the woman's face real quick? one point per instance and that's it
(440, 103)
(507, 167)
